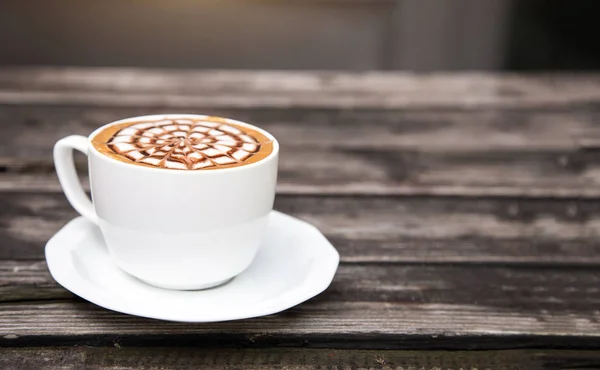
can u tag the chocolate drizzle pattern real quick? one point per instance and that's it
(186, 144)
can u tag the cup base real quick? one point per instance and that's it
(187, 286)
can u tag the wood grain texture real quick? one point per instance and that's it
(467, 131)
(393, 325)
(466, 209)
(291, 359)
(382, 229)
(450, 152)
(182, 89)
(367, 305)
(23, 281)
(531, 290)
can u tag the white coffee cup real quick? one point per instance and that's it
(175, 229)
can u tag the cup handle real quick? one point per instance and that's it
(67, 175)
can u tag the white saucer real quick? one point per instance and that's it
(295, 263)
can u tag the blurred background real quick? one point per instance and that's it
(418, 35)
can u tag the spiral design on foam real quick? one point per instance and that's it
(184, 144)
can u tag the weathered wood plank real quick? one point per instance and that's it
(378, 172)
(382, 229)
(463, 149)
(467, 153)
(150, 88)
(22, 281)
(291, 359)
(429, 131)
(301, 172)
(512, 289)
(390, 325)
(382, 306)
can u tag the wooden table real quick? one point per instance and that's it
(465, 207)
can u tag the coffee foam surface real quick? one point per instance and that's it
(184, 143)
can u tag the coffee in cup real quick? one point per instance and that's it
(207, 143)
(182, 200)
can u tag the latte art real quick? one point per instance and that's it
(183, 143)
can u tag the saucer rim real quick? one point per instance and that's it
(57, 253)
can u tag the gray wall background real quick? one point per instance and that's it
(418, 35)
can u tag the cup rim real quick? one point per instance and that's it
(271, 155)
